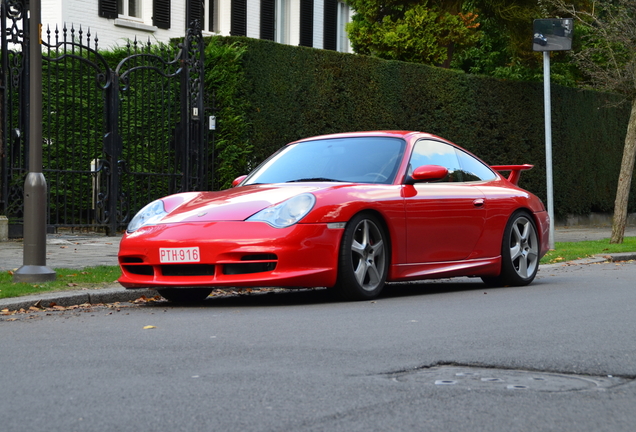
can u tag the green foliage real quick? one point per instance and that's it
(504, 50)
(66, 279)
(605, 42)
(295, 92)
(414, 31)
(225, 79)
(569, 251)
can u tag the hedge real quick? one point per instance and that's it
(285, 93)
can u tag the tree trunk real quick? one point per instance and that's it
(625, 180)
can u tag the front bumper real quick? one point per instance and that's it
(232, 254)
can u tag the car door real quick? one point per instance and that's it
(444, 219)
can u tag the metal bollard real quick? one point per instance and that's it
(4, 229)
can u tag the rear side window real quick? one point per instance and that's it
(461, 166)
(473, 169)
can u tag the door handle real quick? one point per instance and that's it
(479, 202)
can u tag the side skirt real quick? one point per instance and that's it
(478, 267)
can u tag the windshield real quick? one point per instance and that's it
(357, 160)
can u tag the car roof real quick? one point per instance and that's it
(379, 133)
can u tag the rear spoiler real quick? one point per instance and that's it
(515, 171)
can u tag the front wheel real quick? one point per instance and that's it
(519, 252)
(185, 295)
(363, 261)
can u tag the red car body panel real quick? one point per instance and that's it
(304, 254)
(434, 229)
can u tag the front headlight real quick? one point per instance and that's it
(286, 213)
(148, 215)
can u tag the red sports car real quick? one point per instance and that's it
(347, 211)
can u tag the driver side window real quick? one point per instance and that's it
(429, 152)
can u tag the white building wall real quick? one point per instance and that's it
(53, 9)
(116, 32)
(111, 32)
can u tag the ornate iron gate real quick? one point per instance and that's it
(115, 137)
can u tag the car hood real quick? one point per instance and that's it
(235, 204)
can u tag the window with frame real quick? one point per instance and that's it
(461, 166)
(282, 21)
(209, 15)
(205, 12)
(275, 20)
(343, 19)
(129, 8)
(473, 169)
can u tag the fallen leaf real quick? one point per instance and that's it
(71, 284)
(149, 327)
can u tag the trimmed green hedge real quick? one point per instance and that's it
(294, 92)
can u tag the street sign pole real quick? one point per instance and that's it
(551, 34)
(548, 142)
(34, 267)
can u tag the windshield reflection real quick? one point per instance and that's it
(356, 160)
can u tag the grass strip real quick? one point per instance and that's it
(103, 276)
(66, 279)
(570, 251)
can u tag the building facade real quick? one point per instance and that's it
(312, 23)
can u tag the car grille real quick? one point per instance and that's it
(266, 262)
(187, 270)
(142, 270)
(253, 263)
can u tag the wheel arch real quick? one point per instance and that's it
(385, 226)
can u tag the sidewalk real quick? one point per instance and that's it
(74, 251)
(89, 250)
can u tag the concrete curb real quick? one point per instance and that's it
(77, 297)
(616, 257)
(119, 294)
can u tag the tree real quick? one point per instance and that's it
(608, 58)
(420, 31)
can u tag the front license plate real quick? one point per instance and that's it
(179, 255)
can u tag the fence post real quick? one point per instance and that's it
(193, 110)
(112, 151)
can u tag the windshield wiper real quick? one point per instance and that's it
(316, 179)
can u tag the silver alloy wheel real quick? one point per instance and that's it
(524, 247)
(368, 255)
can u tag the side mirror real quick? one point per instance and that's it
(238, 180)
(426, 173)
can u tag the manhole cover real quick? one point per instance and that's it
(506, 379)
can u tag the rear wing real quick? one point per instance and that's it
(515, 171)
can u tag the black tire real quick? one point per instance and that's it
(519, 252)
(185, 295)
(363, 261)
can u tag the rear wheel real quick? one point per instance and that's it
(519, 252)
(363, 260)
(185, 295)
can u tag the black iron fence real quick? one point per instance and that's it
(120, 128)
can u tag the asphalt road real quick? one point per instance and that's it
(559, 355)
